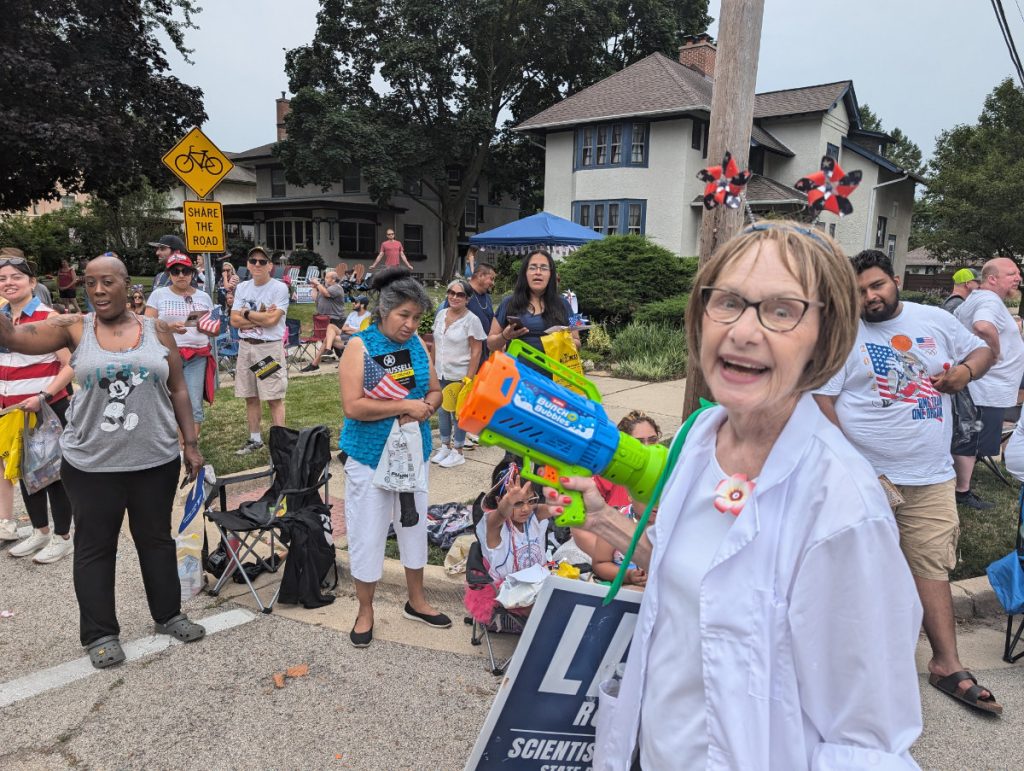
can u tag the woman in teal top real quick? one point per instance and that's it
(386, 375)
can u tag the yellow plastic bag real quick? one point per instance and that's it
(450, 396)
(560, 347)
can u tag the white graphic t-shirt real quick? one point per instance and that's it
(886, 404)
(998, 388)
(249, 297)
(176, 309)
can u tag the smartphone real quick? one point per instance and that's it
(514, 321)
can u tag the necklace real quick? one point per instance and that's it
(119, 332)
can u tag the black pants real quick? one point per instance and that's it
(98, 501)
(60, 506)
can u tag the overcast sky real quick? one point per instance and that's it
(922, 65)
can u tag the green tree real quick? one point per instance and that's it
(902, 151)
(86, 101)
(455, 73)
(973, 196)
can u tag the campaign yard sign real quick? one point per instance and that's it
(543, 716)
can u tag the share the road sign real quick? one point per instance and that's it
(204, 226)
(197, 162)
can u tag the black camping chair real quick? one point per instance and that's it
(299, 461)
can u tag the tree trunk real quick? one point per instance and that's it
(450, 240)
(732, 114)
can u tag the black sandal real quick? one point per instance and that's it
(949, 685)
(106, 651)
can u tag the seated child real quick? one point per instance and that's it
(606, 560)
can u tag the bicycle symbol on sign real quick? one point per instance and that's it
(187, 162)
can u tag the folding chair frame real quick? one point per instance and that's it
(1012, 638)
(482, 635)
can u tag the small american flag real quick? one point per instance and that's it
(378, 384)
(211, 321)
(926, 344)
(896, 380)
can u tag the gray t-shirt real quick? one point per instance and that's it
(121, 417)
(333, 304)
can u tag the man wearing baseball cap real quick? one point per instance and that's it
(965, 281)
(165, 247)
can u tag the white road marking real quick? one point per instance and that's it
(64, 674)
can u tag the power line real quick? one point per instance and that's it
(1004, 27)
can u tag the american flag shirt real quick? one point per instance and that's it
(885, 400)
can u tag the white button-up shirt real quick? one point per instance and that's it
(808, 615)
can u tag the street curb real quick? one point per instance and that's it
(435, 578)
(974, 598)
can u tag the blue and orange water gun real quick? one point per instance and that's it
(563, 432)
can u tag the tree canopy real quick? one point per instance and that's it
(422, 91)
(903, 151)
(973, 200)
(86, 101)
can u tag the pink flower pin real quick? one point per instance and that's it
(732, 493)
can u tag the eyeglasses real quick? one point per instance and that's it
(258, 262)
(538, 268)
(776, 314)
(648, 440)
(529, 503)
(180, 271)
(452, 293)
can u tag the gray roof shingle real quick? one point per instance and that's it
(797, 101)
(762, 190)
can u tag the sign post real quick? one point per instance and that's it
(200, 165)
(543, 715)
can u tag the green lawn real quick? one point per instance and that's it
(310, 401)
(986, 536)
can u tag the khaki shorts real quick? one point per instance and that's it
(247, 384)
(929, 529)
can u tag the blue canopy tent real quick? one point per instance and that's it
(557, 235)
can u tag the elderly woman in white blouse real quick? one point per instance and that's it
(778, 627)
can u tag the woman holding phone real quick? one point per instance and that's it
(533, 307)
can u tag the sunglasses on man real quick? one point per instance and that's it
(258, 262)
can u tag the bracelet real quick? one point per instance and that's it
(965, 364)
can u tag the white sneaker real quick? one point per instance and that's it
(454, 459)
(58, 548)
(8, 530)
(33, 543)
(441, 455)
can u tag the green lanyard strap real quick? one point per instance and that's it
(673, 456)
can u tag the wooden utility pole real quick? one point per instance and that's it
(732, 115)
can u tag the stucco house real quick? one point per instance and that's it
(622, 156)
(343, 223)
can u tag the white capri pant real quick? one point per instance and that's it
(368, 511)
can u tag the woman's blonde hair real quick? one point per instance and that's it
(818, 264)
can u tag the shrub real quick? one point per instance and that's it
(927, 297)
(618, 275)
(648, 351)
(598, 340)
(671, 311)
(427, 321)
(303, 258)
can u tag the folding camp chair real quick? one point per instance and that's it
(227, 350)
(299, 461)
(293, 275)
(994, 464)
(293, 342)
(312, 274)
(308, 344)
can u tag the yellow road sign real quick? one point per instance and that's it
(197, 162)
(204, 226)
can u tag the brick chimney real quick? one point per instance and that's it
(698, 53)
(284, 106)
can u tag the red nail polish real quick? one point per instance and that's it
(551, 493)
(566, 499)
(563, 480)
(559, 510)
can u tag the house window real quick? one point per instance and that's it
(287, 235)
(880, 232)
(890, 247)
(639, 144)
(588, 150)
(413, 187)
(616, 156)
(756, 162)
(493, 196)
(832, 229)
(832, 151)
(412, 239)
(454, 176)
(696, 134)
(611, 217)
(67, 201)
(355, 236)
(469, 218)
(350, 182)
(602, 146)
(895, 209)
(278, 188)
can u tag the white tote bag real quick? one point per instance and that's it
(401, 467)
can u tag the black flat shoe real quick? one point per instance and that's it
(438, 621)
(361, 639)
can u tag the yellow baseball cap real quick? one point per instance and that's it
(964, 275)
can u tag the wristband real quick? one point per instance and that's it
(245, 315)
(971, 371)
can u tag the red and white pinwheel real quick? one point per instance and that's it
(829, 188)
(725, 183)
